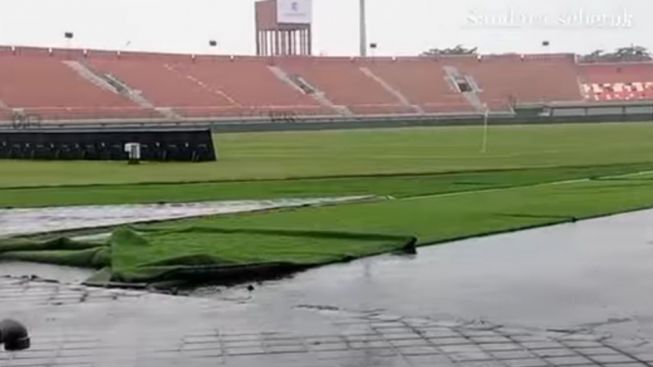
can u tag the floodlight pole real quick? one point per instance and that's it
(363, 28)
(486, 117)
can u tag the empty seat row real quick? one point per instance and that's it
(104, 85)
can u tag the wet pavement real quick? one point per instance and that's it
(79, 326)
(63, 274)
(596, 275)
(42, 220)
(570, 295)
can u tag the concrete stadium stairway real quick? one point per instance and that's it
(390, 89)
(470, 94)
(305, 87)
(112, 84)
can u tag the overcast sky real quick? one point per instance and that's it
(400, 27)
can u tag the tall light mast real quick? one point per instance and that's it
(363, 29)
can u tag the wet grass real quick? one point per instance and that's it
(442, 218)
(396, 186)
(244, 244)
(363, 152)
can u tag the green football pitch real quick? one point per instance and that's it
(432, 185)
(356, 161)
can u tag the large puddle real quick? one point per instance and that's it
(42, 220)
(63, 274)
(595, 274)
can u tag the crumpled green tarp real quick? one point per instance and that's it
(188, 254)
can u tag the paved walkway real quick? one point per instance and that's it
(79, 326)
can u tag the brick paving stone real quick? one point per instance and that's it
(363, 338)
(466, 348)
(417, 350)
(615, 358)
(201, 339)
(582, 344)
(27, 362)
(403, 336)
(465, 357)
(130, 336)
(395, 330)
(269, 361)
(409, 342)
(328, 347)
(568, 361)
(557, 352)
(449, 341)
(432, 360)
(241, 344)
(596, 351)
(483, 364)
(385, 325)
(522, 338)
(532, 362)
(645, 356)
(513, 331)
(369, 344)
(324, 339)
(376, 362)
(331, 354)
(286, 349)
(496, 339)
(542, 345)
(240, 337)
(64, 353)
(283, 343)
(202, 346)
(352, 354)
(479, 333)
(502, 347)
(244, 351)
(205, 353)
(512, 354)
(440, 333)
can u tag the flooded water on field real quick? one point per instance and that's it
(63, 274)
(41, 220)
(595, 274)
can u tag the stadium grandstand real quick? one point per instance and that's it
(68, 85)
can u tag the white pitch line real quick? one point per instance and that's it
(554, 183)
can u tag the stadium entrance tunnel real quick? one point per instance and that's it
(181, 145)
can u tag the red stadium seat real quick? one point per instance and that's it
(617, 81)
(39, 82)
(47, 86)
